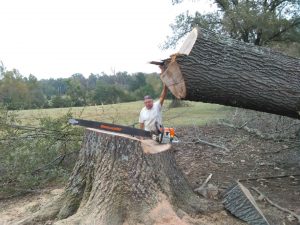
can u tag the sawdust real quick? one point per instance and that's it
(163, 213)
(15, 209)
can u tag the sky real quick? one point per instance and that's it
(58, 38)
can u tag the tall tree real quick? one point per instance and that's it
(77, 89)
(261, 22)
(36, 96)
(14, 92)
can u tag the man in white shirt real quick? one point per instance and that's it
(151, 113)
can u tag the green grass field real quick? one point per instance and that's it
(196, 113)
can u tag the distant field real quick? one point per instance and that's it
(127, 113)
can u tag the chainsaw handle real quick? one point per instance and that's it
(160, 130)
(175, 140)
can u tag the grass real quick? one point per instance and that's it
(196, 113)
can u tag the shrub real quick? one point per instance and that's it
(32, 156)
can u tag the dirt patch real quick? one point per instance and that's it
(18, 208)
(249, 157)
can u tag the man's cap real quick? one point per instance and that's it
(147, 97)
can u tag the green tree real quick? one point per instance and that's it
(138, 80)
(14, 93)
(58, 101)
(36, 97)
(261, 22)
(2, 68)
(18, 92)
(51, 87)
(107, 94)
(145, 90)
(91, 81)
(77, 89)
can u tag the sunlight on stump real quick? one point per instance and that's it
(239, 201)
(217, 69)
(115, 182)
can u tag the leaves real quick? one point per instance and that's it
(255, 21)
(18, 92)
(30, 156)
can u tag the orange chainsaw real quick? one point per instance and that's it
(162, 135)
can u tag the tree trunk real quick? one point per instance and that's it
(215, 69)
(115, 182)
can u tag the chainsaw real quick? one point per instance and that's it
(162, 135)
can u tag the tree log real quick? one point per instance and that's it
(115, 182)
(216, 69)
(240, 202)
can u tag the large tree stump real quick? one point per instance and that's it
(115, 182)
(216, 69)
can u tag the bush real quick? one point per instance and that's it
(32, 156)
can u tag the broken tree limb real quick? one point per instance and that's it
(204, 183)
(216, 69)
(256, 132)
(263, 196)
(211, 144)
(270, 177)
(207, 143)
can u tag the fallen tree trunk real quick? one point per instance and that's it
(215, 69)
(115, 182)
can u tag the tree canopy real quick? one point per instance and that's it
(274, 23)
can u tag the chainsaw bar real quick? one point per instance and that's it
(110, 127)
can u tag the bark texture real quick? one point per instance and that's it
(239, 201)
(221, 70)
(115, 182)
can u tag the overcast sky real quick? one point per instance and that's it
(57, 38)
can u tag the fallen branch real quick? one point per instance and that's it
(252, 131)
(208, 190)
(211, 144)
(262, 196)
(206, 142)
(242, 126)
(270, 177)
(60, 158)
(204, 183)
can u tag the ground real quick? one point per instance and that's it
(247, 157)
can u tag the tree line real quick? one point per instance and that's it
(20, 92)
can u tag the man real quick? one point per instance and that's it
(151, 113)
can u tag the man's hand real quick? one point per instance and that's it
(142, 126)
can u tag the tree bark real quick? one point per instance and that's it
(216, 69)
(115, 182)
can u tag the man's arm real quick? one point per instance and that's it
(163, 95)
(165, 89)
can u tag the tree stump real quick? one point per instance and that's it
(115, 182)
(217, 69)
